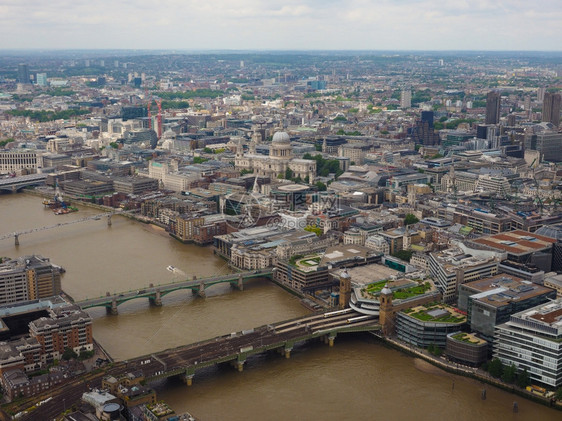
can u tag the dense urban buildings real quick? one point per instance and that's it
(418, 191)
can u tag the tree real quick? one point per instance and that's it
(288, 174)
(558, 394)
(68, 354)
(495, 368)
(509, 373)
(321, 186)
(411, 219)
(523, 379)
(405, 255)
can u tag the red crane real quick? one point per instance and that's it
(148, 104)
(159, 103)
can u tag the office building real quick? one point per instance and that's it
(532, 340)
(522, 247)
(453, 267)
(23, 73)
(551, 108)
(17, 160)
(493, 100)
(41, 79)
(428, 325)
(491, 301)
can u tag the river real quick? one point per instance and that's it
(356, 379)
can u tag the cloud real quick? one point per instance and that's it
(275, 24)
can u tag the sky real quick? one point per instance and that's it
(282, 25)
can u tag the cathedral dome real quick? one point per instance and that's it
(281, 138)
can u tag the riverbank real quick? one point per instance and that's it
(470, 372)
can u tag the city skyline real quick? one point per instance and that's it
(289, 25)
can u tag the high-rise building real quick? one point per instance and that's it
(540, 94)
(406, 99)
(41, 79)
(23, 73)
(551, 108)
(493, 100)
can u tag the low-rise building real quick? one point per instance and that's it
(466, 348)
(428, 325)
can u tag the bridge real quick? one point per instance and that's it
(106, 215)
(185, 361)
(14, 184)
(155, 293)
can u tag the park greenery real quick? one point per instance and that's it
(43, 116)
(313, 228)
(325, 167)
(198, 93)
(6, 141)
(411, 219)
(405, 255)
(199, 160)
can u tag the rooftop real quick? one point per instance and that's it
(502, 289)
(436, 313)
(517, 242)
(453, 258)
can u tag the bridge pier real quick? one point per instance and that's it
(113, 309)
(331, 337)
(157, 299)
(288, 350)
(16, 239)
(238, 284)
(201, 290)
(187, 379)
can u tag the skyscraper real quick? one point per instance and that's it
(41, 79)
(23, 74)
(551, 108)
(406, 99)
(493, 100)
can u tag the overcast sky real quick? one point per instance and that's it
(282, 25)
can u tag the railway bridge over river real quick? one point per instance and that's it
(184, 361)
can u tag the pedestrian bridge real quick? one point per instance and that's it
(155, 293)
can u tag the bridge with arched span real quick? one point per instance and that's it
(15, 184)
(155, 293)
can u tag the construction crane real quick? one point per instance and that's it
(158, 117)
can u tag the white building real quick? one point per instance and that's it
(12, 161)
(532, 340)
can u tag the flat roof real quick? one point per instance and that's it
(517, 242)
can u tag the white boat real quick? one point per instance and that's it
(171, 268)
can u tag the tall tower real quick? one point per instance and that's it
(493, 100)
(23, 73)
(551, 108)
(345, 289)
(406, 98)
(386, 313)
